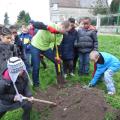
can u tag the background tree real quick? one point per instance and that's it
(23, 18)
(6, 19)
(100, 7)
(114, 7)
(27, 18)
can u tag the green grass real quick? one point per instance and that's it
(109, 44)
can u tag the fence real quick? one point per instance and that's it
(108, 23)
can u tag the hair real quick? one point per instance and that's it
(5, 31)
(72, 20)
(87, 18)
(31, 21)
(66, 24)
(94, 54)
(12, 27)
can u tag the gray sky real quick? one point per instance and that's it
(109, 2)
(38, 9)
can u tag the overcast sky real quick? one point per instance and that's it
(38, 9)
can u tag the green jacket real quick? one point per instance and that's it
(44, 40)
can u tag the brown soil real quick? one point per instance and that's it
(74, 103)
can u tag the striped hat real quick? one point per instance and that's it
(15, 65)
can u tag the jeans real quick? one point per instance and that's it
(84, 63)
(27, 61)
(35, 52)
(109, 80)
(68, 66)
(75, 60)
(43, 61)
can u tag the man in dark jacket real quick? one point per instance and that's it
(13, 86)
(87, 42)
(67, 48)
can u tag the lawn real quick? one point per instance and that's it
(109, 44)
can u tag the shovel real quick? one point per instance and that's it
(39, 100)
(60, 78)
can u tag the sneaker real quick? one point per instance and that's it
(111, 93)
(72, 74)
(65, 75)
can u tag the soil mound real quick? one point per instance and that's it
(75, 103)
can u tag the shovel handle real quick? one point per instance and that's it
(41, 101)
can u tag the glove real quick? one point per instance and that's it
(53, 30)
(58, 60)
(18, 97)
(88, 86)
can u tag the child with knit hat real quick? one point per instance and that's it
(106, 64)
(13, 88)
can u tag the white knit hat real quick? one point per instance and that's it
(15, 65)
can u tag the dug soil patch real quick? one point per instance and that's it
(74, 103)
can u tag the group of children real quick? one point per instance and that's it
(17, 50)
(14, 78)
(83, 43)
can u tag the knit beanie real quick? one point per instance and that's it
(15, 65)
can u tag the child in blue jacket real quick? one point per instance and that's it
(26, 39)
(106, 64)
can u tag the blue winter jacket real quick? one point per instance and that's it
(26, 39)
(110, 62)
(67, 45)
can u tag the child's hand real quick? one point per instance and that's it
(90, 85)
(18, 97)
(87, 86)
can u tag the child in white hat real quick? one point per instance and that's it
(13, 88)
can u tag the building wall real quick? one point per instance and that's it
(109, 29)
(64, 13)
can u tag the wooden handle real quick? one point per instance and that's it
(42, 101)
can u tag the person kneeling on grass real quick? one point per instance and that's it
(13, 86)
(106, 64)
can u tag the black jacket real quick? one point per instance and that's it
(87, 40)
(6, 51)
(7, 91)
(67, 45)
(20, 47)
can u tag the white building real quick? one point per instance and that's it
(63, 9)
